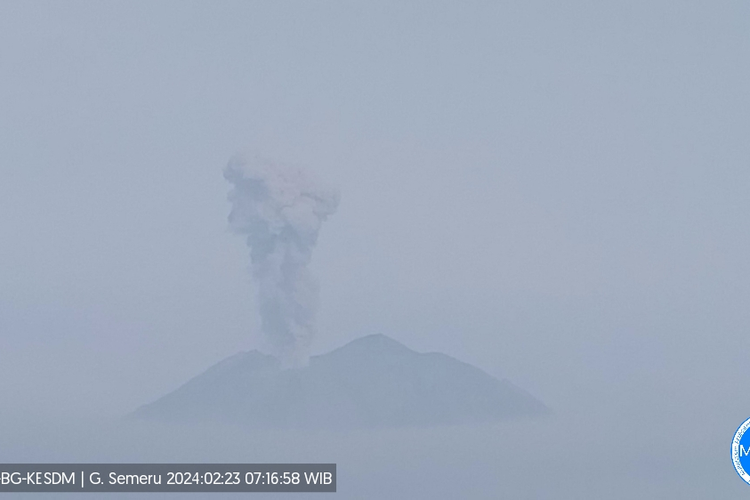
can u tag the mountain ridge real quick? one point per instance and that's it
(371, 382)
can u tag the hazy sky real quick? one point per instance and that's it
(556, 192)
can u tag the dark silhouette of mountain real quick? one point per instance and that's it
(371, 382)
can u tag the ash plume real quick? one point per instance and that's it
(280, 210)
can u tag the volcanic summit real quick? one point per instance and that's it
(372, 382)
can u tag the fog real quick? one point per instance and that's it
(554, 192)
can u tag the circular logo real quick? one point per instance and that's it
(741, 451)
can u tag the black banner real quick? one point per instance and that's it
(167, 478)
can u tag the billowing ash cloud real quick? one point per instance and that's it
(280, 210)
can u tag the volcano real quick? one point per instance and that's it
(372, 382)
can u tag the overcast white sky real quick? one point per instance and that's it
(556, 192)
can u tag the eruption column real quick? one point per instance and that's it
(280, 210)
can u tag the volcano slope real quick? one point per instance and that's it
(372, 382)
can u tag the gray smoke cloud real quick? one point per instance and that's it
(280, 210)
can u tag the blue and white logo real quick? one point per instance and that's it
(741, 451)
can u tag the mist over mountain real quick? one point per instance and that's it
(371, 382)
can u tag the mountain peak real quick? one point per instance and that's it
(373, 381)
(371, 344)
(377, 340)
